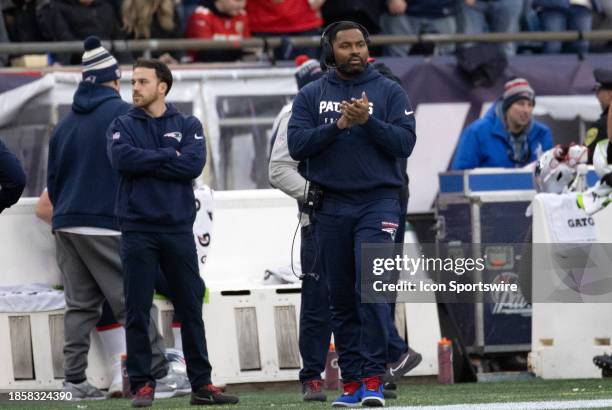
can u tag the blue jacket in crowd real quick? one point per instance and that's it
(155, 184)
(361, 162)
(12, 178)
(563, 5)
(431, 9)
(485, 143)
(81, 183)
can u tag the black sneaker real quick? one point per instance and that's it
(406, 362)
(144, 396)
(389, 394)
(604, 361)
(389, 386)
(209, 394)
(312, 390)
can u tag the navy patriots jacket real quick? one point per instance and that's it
(12, 178)
(81, 183)
(155, 184)
(361, 162)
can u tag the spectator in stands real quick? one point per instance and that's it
(507, 136)
(483, 16)
(564, 15)
(365, 12)
(21, 22)
(4, 38)
(84, 222)
(72, 20)
(413, 17)
(224, 20)
(186, 8)
(145, 19)
(12, 178)
(603, 91)
(286, 18)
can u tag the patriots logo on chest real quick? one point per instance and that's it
(175, 134)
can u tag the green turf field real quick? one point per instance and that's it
(410, 394)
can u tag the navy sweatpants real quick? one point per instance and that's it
(397, 345)
(142, 254)
(161, 287)
(361, 330)
(315, 317)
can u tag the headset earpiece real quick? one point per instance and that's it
(327, 53)
(327, 59)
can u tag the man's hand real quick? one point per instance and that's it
(315, 4)
(396, 7)
(343, 123)
(166, 58)
(358, 111)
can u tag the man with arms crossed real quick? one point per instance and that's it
(158, 152)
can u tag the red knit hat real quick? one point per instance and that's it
(515, 90)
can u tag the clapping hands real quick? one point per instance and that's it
(357, 111)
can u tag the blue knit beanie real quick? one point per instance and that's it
(99, 66)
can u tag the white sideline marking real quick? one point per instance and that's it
(526, 405)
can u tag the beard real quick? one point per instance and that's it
(142, 101)
(351, 70)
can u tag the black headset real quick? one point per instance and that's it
(327, 52)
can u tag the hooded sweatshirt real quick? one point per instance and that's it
(81, 183)
(12, 178)
(361, 162)
(155, 184)
(431, 9)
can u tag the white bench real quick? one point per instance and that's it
(251, 329)
(566, 336)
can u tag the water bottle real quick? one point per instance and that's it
(445, 361)
(124, 377)
(332, 374)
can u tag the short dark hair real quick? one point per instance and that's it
(345, 25)
(162, 72)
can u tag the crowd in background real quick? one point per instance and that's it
(73, 20)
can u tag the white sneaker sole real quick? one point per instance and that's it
(165, 394)
(86, 398)
(373, 402)
(342, 404)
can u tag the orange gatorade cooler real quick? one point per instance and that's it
(332, 373)
(445, 361)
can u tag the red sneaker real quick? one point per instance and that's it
(312, 390)
(144, 396)
(210, 394)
